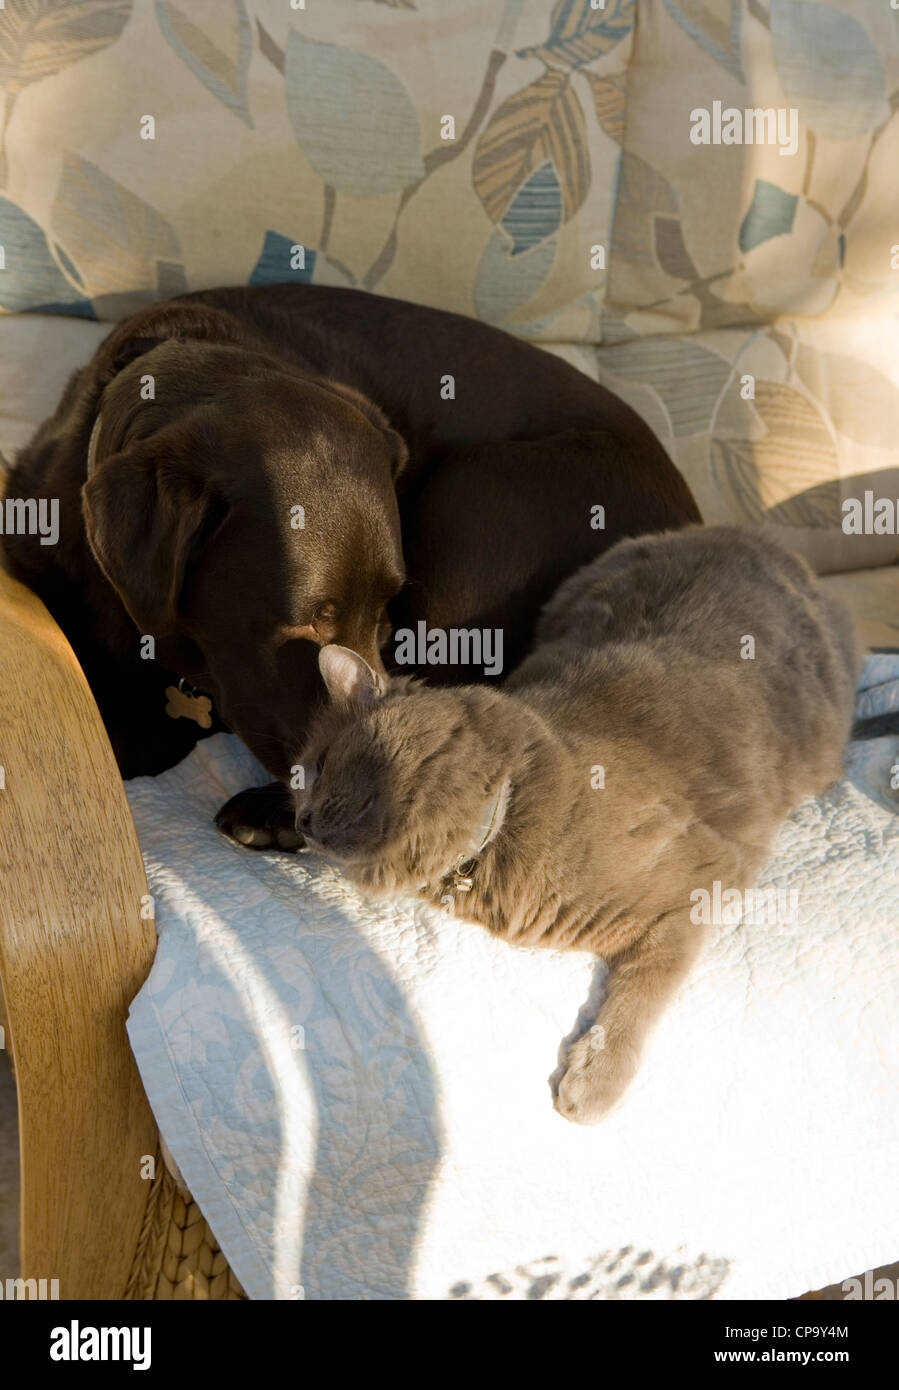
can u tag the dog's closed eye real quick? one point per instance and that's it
(319, 629)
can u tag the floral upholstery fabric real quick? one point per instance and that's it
(529, 163)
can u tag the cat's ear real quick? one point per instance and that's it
(348, 677)
(491, 822)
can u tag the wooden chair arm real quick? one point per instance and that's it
(74, 951)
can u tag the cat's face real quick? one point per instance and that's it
(399, 777)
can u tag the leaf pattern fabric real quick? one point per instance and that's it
(38, 38)
(217, 53)
(526, 163)
(542, 124)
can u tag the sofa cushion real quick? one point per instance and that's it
(307, 143)
(795, 218)
(766, 259)
(873, 600)
(791, 424)
(310, 142)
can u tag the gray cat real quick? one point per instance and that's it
(684, 693)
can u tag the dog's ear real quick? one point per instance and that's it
(373, 413)
(128, 352)
(146, 518)
(117, 353)
(399, 450)
(142, 332)
(348, 677)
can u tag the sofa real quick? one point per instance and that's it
(693, 201)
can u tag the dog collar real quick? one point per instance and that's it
(92, 447)
(184, 701)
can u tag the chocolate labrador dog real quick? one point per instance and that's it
(246, 475)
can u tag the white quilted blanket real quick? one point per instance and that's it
(358, 1098)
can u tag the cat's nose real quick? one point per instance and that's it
(334, 827)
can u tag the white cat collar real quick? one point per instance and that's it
(491, 821)
(493, 818)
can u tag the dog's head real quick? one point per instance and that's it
(246, 515)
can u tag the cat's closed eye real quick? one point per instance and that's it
(312, 772)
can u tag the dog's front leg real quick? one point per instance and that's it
(261, 818)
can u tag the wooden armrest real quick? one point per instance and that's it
(74, 952)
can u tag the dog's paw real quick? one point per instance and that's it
(261, 818)
(595, 1078)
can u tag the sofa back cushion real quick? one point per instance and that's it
(538, 166)
(460, 154)
(751, 306)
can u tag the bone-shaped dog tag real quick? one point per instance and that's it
(181, 705)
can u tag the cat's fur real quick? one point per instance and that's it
(637, 669)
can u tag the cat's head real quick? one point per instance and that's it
(402, 780)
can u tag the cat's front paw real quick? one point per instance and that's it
(597, 1075)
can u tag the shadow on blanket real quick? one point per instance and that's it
(618, 1275)
(377, 1154)
(324, 1124)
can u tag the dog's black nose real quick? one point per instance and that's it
(304, 822)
